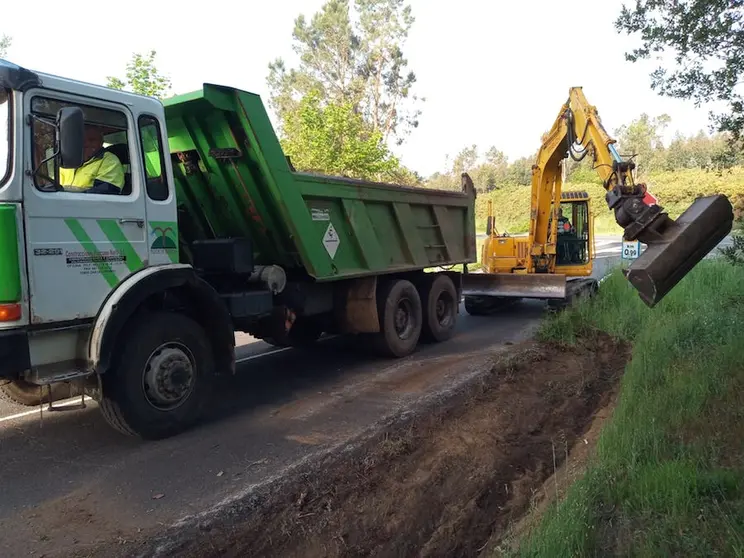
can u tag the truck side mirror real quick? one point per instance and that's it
(70, 137)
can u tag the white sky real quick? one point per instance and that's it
(493, 72)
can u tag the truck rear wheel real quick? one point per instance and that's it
(400, 314)
(24, 393)
(440, 304)
(158, 385)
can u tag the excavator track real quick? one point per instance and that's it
(476, 305)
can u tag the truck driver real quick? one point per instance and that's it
(102, 171)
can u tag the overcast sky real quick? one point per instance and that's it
(493, 72)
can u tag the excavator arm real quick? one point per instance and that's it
(674, 247)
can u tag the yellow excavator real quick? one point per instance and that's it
(554, 260)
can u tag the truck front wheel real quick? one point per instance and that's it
(158, 384)
(400, 314)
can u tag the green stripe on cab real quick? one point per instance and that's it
(10, 271)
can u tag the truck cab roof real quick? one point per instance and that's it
(13, 76)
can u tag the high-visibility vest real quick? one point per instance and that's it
(103, 167)
(563, 225)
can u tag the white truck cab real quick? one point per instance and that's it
(74, 265)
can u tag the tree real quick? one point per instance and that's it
(705, 38)
(581, 171)
(442, 181)
(5, 42)
(359, 62)
(384, 27)
(496, 158)
(465, 160)
(142, 77)
(332, 138)
(643, 139)
(520, 171)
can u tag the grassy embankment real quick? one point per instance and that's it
(674, 190)
(667, 478)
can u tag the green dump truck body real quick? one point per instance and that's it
(233, 180)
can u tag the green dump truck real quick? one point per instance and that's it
(196, 226)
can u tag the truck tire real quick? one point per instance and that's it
(440, 308)
(27, 394)
(160, 380)
(400, 314)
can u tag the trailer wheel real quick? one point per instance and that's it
(400, 314)
(158, 385)
(27, 394)
(439, 297)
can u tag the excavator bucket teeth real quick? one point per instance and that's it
(682, 244)
(514, 285)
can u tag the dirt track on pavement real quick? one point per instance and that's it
(446, 480)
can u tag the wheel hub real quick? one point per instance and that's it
(443, 309)
(403, 320)
(169, 376)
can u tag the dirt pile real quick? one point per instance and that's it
(440, 483)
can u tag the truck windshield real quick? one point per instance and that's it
(4, 134)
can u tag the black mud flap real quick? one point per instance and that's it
(672, 252)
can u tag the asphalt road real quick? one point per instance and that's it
(69, 479)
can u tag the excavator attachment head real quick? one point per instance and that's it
(514, 285)
(675, 247)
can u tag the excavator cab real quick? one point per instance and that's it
(574, 238)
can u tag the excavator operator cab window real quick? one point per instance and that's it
(572, 243)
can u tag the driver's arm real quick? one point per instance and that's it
(110, 176)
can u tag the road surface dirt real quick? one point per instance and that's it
(447, 478)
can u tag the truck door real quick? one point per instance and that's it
(80, 245)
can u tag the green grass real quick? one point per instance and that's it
(674, 190)
(667, 478)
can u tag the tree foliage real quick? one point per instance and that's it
(142, 77)
(489, 170)
(357, 61)
(331, 138)
(734, 254)
(705, 39)
(643, 140)
(5, 42)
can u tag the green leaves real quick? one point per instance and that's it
(352, 60)
(350, 93)
(489, 172)
(5, 42)
(705, 38)
(642, 139)
(142, 77)
(332, 138)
